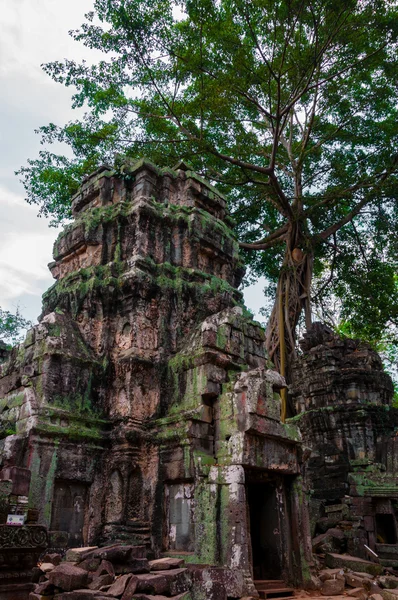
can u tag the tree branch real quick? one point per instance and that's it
(349, 216)
(268, 242)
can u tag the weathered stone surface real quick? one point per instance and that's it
(145, 395)
(130, 588)
(172, 582)
(68, 577)
(46, 588)
(47, 567)
(326, 574)
(331, 541)
(119, 586)
(78, 554)
(105, 568)
(388, 581)
(116, 553)
(90, 564)
(152, 583)
(355, 580)
(332, 587)
(314, 583)
(342, 393)
(376, 597)
(163, 564)
(101, 581)
(354, 563)
(389, 594)
(83, 595)
(53, 558)
(358, 592)
(184, 596)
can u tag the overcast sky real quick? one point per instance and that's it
(33, 32)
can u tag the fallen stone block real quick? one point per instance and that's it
(133, 565)
(331, 541)
(354, 580)
(101, 581)
(313, 584)
(178, 580)
(184, 596)
(371, 587)
(171, 583)
(105, 568)
(130, 588)
(345, 561)
(117, 553)
(46, 567)
(163, 564)
(358, 592)
(118, 587)
(45, 589)
(332, 587)
(152, 583)
(90, 564)
(84, 595)
(388, 581)
(77, 554)
(389, 594)
(68, 577)
(219, 578)
(53, 558)
(326, 574)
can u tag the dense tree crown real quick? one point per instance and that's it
(290, 106)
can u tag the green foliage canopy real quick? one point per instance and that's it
(290, 106)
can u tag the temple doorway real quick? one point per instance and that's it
(265, 530)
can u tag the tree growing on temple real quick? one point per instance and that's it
(289, 106)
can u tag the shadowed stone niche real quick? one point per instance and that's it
(143, 404)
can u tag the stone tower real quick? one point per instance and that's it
(349, 430)
(142, 405)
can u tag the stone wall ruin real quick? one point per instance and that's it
(143, 403)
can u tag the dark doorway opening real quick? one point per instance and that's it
(265, 530)
(385, 529)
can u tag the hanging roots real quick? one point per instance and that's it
(293, 293)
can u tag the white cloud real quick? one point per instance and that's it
(25, 249)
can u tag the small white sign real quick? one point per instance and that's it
(17, 520)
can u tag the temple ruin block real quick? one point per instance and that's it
(142, 409)
(143, 404)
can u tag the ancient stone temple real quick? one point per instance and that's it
(142, 406)
(350, 446)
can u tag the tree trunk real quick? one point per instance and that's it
(293, 295)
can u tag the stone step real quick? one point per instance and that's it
(276, 593)
(272, 588)
(266, 584)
